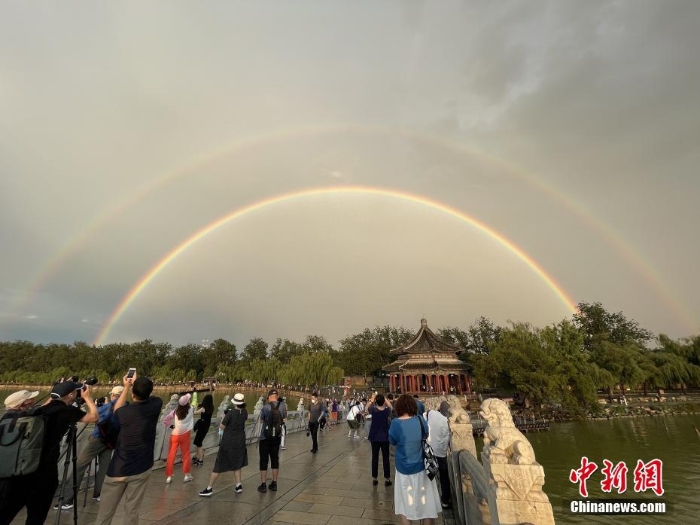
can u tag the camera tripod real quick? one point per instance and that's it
(71, 456)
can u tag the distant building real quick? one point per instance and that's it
(428, 364)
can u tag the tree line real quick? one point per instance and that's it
(564, 364)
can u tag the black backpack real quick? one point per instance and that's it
(21, 442)
(273, 422)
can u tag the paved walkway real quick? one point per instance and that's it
(333, 486)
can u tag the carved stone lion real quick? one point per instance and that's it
(503, 442)
(457, 413)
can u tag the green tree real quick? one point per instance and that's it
(547, 365)
(479, 338)
(365, 353)
(599, 325)
(188, 360)
(255, 349)
(621, 361)
(217, 354)
(284, 350)
(675, 362)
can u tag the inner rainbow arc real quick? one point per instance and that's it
(146, 279)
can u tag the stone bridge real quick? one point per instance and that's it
(334, 486)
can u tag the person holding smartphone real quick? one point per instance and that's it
(129, 471)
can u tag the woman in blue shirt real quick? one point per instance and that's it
(415, 495)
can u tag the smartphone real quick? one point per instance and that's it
(130, 373)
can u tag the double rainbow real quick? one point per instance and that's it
(188, 243)
(627, 252)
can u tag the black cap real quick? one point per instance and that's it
(272, 392)
(60, 390)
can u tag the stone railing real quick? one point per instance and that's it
(505, 487)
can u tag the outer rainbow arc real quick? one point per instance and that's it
(146, 279)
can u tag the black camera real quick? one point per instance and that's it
(92, 381)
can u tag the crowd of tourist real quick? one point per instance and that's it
(124, 467)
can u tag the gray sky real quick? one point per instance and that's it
(570, 128)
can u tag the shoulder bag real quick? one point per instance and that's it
(431, 464)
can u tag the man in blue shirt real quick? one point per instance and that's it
(94, 447)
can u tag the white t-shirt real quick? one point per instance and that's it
(354, 410)
(182, 426)
(438, 432)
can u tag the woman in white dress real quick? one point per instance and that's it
(416, 496)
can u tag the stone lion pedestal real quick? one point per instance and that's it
(515, 479)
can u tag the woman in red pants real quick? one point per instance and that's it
(182, 419)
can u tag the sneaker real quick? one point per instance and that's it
(188, 477)
(273, 486)
(239, 488)
(446, 505)
(206, 493)
(388, 483)
(68, 504)
(356, 436)
(96, 497)
(375, 482)
(262, 488)
(349, 435)
(283, 448)
(168, 479)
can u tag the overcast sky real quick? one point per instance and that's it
(572, 129)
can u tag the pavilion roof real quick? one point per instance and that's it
(426, 342)
(427, 353)
(427, 366)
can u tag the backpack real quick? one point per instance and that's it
(273, 422)
(108, 430)
(21, 442)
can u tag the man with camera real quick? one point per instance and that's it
(36, 490)
(95, 447)
(130, 468)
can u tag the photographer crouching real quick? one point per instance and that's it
(36, 490)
